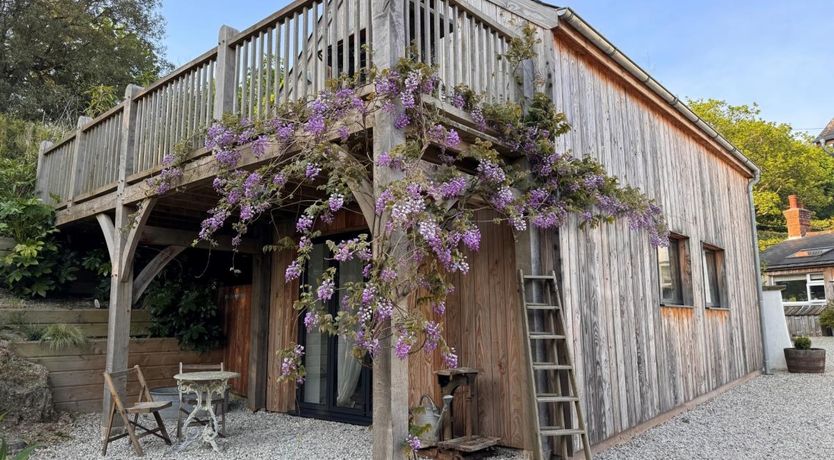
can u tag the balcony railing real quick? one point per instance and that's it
(288, 56)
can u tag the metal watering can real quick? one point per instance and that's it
(432, 416)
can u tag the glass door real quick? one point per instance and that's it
(337, 386)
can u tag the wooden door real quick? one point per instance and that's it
(235, 304)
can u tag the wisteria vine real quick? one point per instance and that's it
(316, 159)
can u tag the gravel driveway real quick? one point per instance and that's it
(776, 416)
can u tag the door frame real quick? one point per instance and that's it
(329, 410)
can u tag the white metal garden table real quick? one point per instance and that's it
(205, 385)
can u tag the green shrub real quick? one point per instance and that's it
(60, 336)
(189, 313)
(36, 265)
(827, 315)
(802, 342)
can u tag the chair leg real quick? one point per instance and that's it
(106, 439)
(132, 435)
(162, 429)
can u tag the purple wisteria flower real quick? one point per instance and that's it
(325, 290)
(450, 359)
(403, 346)
(311, 320)
(335, 202)
(304, 223)
(293, 271)
(402, 121)
(413, 442)
(312, 170)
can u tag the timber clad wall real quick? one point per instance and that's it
(637, 359)
(483, 323)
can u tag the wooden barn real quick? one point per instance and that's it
(651, 330)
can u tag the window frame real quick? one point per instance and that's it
(777, 279)
(720, 267)
(684, 272)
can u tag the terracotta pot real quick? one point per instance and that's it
(810, 361)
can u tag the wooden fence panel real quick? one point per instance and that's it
(75, 374)
(92, 322)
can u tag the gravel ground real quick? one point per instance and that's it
(776, 416)
(259, 435)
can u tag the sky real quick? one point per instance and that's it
(779, 54)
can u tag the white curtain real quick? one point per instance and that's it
(350, 369)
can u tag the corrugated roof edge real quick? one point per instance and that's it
(576, 21)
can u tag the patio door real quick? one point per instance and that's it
(337, 386)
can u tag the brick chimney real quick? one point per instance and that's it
(797, 217)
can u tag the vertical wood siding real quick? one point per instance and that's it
(235, 303)
(636, 359)
(483, 323)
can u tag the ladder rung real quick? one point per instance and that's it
(556, 431)
(541, 306)
(545, 336)
(554, 398)
(538, 277)
(551, 367)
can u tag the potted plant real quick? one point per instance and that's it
(804, 359)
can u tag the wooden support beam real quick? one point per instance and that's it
(390, 382)
(134, 231)
(160, 236)
(154, 267)
(40, 190)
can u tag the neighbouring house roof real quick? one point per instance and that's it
(827, 133)
(810, 251)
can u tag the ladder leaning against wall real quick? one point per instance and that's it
(556, 394)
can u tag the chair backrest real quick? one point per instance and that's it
(118, 381)
(200, 367)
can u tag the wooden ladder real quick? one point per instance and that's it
(560, 392)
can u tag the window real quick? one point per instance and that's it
(802, 289)
(816, 252)
(673, 270)
(714, 278)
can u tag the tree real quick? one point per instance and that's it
(790, 162)
(53, 53)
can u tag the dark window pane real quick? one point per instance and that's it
(817, 292)
(315, 358)
(713, 294)
(669, 267)
(795, 290)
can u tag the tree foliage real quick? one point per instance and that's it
(790, 162)
(53, 53)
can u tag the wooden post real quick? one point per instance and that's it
(390, 380)
(40, 191)
(78, 159)
(122, 235)
(259, 331)
(224, 98)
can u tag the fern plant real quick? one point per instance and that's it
(61, 336)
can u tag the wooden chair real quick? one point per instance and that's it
(143, 405)
(220, 406)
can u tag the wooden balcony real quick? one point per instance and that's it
(287, 56)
